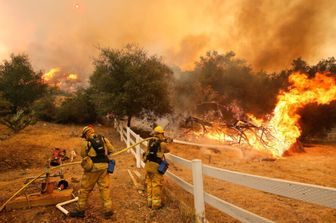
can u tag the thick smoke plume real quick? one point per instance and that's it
(275, 32)
(268, 34)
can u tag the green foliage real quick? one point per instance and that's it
(18, 121)
(45, 108)
(19, 84)
(300, 65)
(224, 83)
(78, 108)
(187, 92)
(223, 70)
(324, 65)
(127, 82)
(4, 106)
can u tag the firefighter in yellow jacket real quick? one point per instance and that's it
(95, 163)
(153, 157)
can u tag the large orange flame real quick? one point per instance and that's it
(284, 124)
(280, 131)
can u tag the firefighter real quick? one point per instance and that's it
(95, 163)
(153, 157)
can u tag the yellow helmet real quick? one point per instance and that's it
(158, 129)
(86, 129)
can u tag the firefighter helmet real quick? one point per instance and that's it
(87, 129)
(158, 129)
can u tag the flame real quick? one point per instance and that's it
(72, 77)
(50, 74)
(65, 81)
(218, 136)
(254, 120)
(276, 133)
(217, 133)
(284, 124)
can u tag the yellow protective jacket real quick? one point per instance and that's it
(85, 151)
(150, 166)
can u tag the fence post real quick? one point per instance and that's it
(115, 123)
(138, 152)
(128, 143)
(197, 174)
(128, 138)
(120, 133)
(119, 129)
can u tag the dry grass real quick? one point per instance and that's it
(32, 146)
(25, 154)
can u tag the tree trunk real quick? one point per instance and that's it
(129, 117)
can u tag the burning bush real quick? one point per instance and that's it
(227, 90)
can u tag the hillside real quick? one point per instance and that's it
(26, 153)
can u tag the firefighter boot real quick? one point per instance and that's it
(77, 214)
(158, 207)
(108, 214)
(149, 203)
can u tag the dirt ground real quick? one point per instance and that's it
(26, 153)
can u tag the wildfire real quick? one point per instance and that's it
(284, 123)
(219, 136)
(64, 81)
(72, 77)
(50, 74)
(279, 131)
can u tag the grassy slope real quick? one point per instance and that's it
(26, 153)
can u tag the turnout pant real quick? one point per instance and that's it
(89, 180)
(154, 189)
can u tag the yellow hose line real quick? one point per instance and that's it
(131, 146)
(63, 165)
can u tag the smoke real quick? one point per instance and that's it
(268, 34)
(273, 33)
(190, 48)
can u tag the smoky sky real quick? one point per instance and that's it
(267, 34)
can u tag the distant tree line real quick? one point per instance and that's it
(129, 83)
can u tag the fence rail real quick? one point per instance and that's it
(325, 196)
(178, 160)
(234, 211)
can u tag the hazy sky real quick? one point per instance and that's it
(268, 34)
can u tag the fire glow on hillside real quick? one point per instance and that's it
(279, 132)
(64, 81)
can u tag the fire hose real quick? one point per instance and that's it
(67, 164)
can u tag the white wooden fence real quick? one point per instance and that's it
(324, 196)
